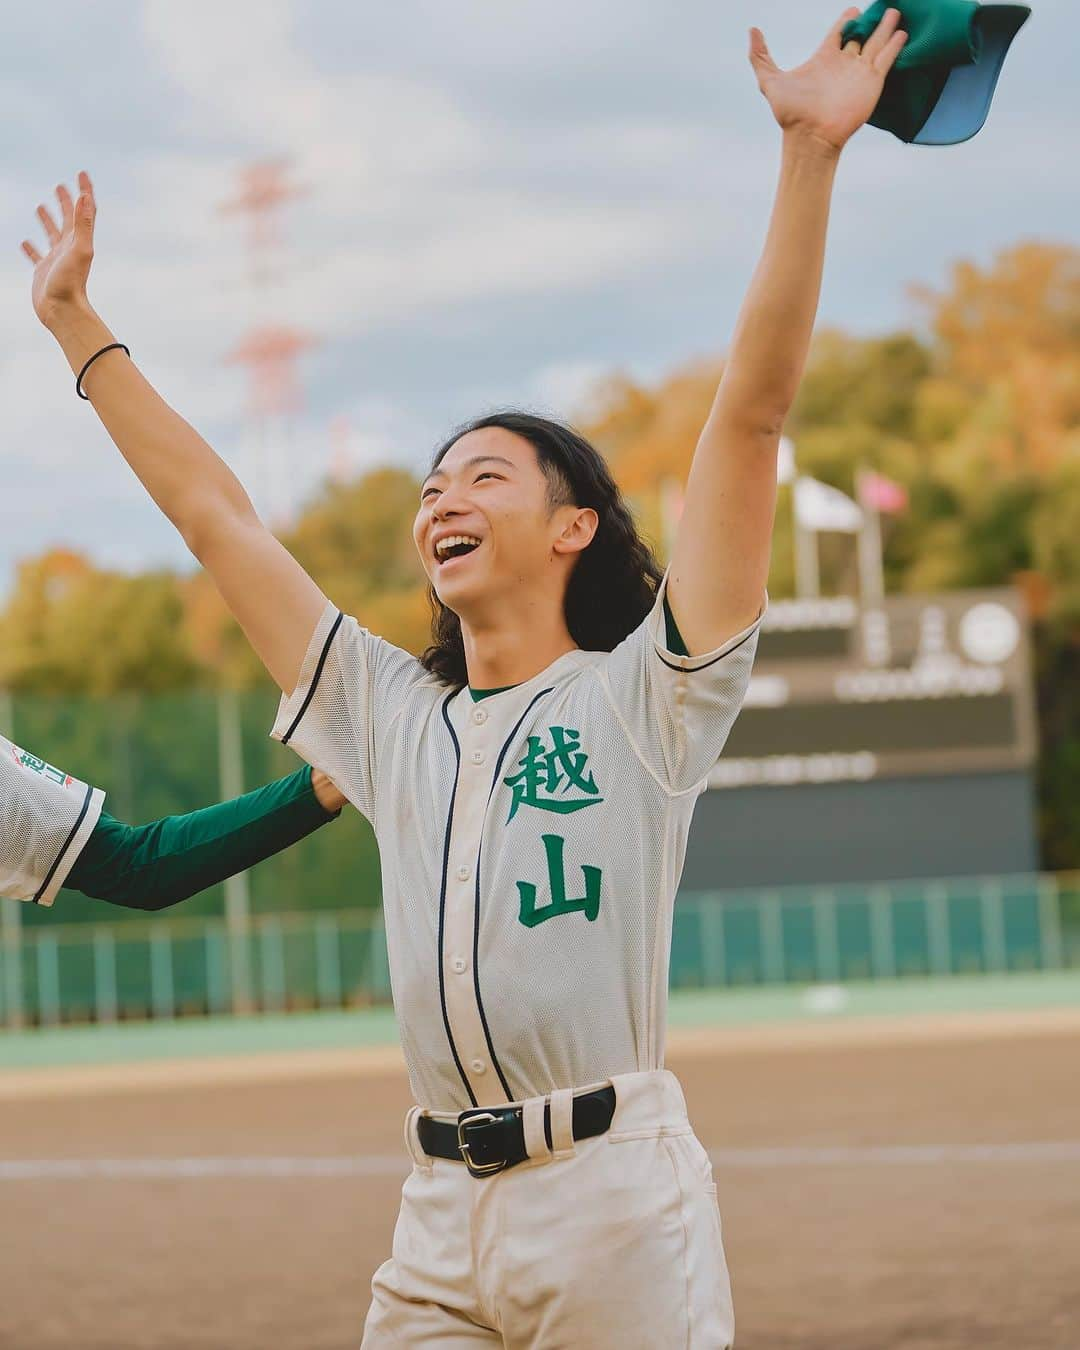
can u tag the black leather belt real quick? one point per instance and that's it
(490, 1141)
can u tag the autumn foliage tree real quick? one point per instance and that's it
(355, 539)
(976, 411)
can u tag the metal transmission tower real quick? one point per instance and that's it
(271, 352)
(341, 456)
(263, 190)
(270, 348)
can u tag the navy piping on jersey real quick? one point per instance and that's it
(67, 844)
(476, 904)
(314, 679)
(694, 669)
(442, 900)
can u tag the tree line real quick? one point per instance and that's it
(975, 410)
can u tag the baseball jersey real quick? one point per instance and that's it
(46, 817)
(531, 845)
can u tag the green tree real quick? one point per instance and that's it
(977, 415)
(72, 628)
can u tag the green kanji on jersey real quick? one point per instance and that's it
(530, 914)
(548, 775)
(41, 767)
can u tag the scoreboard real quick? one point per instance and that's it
(910, 687)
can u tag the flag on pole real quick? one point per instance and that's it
(878, 493)
(821, 507)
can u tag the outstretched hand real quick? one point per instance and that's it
(60, 276)
(834, 93)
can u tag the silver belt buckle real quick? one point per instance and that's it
(476, 1169)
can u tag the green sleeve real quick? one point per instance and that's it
(157, 865)
(675, 643)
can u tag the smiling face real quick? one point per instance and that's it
(487, 528)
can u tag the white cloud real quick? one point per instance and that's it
(404, 185)
(501, 202)
(567, 388)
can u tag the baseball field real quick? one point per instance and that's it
(888, 1177)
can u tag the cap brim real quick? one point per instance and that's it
(965, 101)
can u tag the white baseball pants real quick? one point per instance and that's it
(611, 1243)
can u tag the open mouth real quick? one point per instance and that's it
(455, 546)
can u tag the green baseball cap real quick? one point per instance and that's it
(940, 89)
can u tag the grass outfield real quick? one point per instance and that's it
(201, 1038)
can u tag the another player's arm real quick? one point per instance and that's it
(720, 561)
(54, 833)
(154, 866)
(274, 600)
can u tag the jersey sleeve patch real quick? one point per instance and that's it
(46, 818)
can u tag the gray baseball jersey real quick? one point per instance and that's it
(531, 845)
(46, 817)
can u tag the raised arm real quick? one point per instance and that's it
(274, 600)
(720, 562)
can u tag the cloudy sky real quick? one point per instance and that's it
(501, 202)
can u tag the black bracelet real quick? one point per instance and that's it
(78, 382)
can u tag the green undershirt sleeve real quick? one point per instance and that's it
(153, 866)
(675, 643)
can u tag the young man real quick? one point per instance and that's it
(531, 783)
(54, 833)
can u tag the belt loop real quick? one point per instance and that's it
(562, 1123)
(532, 1120)
(412, 1139)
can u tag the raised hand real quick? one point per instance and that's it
(833, 94)
(60, 276)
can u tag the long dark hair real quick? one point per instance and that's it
(613, 584)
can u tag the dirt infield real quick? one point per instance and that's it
(918, 1192)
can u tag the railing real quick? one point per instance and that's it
(167, 967)
(889, 930)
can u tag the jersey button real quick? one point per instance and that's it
(477, 756)
(464, 873)
(479, 716)
(460, 965)
(478, 1066)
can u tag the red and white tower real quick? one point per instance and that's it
(270, 349)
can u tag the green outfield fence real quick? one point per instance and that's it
(167, 967)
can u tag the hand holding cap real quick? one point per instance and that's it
(940, 90)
